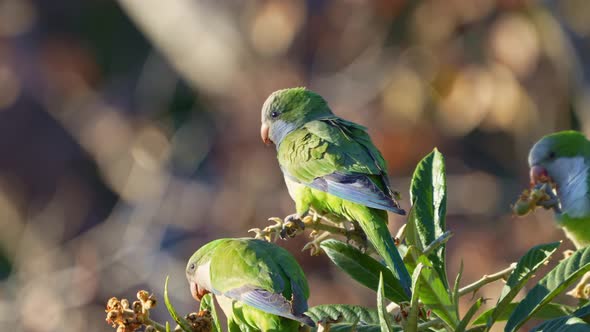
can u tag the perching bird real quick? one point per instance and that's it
(259, 285)
(331, 165)
(564, 158)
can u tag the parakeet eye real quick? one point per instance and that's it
(552, 155)
(192, 267)
(274, 114)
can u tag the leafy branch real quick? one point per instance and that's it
(486, 279)
(321, 229)
(422, 241)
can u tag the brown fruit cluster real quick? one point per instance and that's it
(540, 195)
(130, 318)
(201, 321)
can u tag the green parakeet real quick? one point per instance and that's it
(331, 165)
(259, 285)
(564, 157)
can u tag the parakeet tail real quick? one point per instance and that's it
(306, 320)
(374, 224)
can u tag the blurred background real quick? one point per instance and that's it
(129, 132)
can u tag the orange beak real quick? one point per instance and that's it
(264, 129)
(197, 292)
(538, 174)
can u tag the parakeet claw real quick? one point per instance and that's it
(269, 233)
(314, 245)
(357, 236)
(292, 226)
(258, 234)
(284, 229)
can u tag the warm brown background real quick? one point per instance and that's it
(129, 131)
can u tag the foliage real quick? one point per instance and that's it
(433, 304)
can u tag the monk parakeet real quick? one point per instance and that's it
(259, 285)
(331, 165)
(564, 159)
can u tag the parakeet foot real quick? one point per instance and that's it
(269, 233)
(292, 225)
(284, 229)
(357, 236)
(314, 245)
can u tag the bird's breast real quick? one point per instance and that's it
(293, 187)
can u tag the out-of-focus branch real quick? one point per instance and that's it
(200, 41)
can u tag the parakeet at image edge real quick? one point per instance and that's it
(564, 158)
(331, 165)
(258, 285)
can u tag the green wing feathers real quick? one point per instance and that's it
(338, 157)
(262, 275)
(320, 148)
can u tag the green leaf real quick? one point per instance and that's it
(358, 328)
(557, 280)
(563, 324)
(208, 304)
(167, 327)
(344, 313)
(524, 270)
(364, 269)
(548, 311)
(383, 321)
(354, 328)
(184, 325)
(470, 313)
(433, 292)
(583, 312)
(412, 320)
(348, 317)
(577, 321)
(426, 221)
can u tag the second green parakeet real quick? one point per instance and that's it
(564, 159)
(331, 165)
(259, 285)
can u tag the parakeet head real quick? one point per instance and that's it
(289, 109)
(197, 270)
(557, 155)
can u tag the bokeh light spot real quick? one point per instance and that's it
(275, 26)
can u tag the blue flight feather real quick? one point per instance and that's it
(354, 187)
(273, 303)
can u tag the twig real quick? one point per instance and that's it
(438, 242)
(318, 226)
(430, 323)
(486, 279)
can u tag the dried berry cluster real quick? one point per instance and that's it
(128, 318)
(201, 321)
(541, 195)
(131, 318)
(401, 313)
